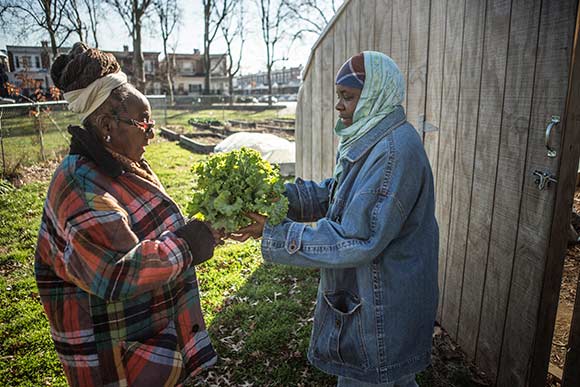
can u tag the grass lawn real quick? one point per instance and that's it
(258, 314)
(181, 117)
(22, 146)
(20, 135)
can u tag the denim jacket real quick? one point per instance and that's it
(375, 241)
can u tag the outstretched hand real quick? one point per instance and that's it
(218, 235)
(254, 230)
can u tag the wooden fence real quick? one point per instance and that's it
(484, 79)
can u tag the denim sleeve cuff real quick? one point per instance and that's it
(266, 245)
(276, 246)
(294, 237)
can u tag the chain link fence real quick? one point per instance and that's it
(36, 132)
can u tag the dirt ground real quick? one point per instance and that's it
(450, 366)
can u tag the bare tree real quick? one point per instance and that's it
(233, 28)
(47, 15)
(75, 22)
(169, 15)
(273, 14)
(3, 15)
(133, 13)
(214, 12)
(310, 16)
(93, 10)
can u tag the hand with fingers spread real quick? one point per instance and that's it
(254, 230)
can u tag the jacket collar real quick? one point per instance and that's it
(87, 144)
(366, 142)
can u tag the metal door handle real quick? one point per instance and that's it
(555, 121)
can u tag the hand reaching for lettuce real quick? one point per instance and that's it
(254, 230)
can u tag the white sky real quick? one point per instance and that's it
(112, 35)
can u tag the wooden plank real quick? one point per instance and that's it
(433, 104)
(327, 106)
(571, 376)
(522, 332)
(555, 371)
(316, 115)
(340, 56)
(367, 25)
(307, 126)
(353, 28)
(418, 50)
(470, 284)
(400, 37)
(447, 145)
(299, 131)
(487, 148)
(570, 153)
(383, 23)
(517, 103)
(564, 197)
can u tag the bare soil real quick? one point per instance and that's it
(568, 292)
(34, 173)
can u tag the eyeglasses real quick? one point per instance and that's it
(146, 126)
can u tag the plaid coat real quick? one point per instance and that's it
(116, 284)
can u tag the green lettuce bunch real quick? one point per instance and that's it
(234, 183)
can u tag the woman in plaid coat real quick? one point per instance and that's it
(115, 258)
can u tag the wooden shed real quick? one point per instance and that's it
(486, 80)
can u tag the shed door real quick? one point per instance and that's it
(498, 77)
(484, 79)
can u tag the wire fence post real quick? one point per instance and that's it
(165, 109)
(2, 144)
(40, 136)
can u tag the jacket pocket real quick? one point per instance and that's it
(339, 327)
(155, 361)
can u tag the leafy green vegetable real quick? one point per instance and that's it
(234, 183)
(205, 121)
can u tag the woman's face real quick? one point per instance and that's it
(127, 138)
(347, 99)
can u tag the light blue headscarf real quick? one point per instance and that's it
(383, 91)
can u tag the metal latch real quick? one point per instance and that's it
(543, 179)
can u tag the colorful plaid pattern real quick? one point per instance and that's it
(116, 283)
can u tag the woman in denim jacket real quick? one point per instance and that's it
(375, 239)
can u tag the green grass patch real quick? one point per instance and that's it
(22, 143)
(258, 315)
(27, 356)
(267, 307)
(182, 117)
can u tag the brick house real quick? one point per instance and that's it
(189, 73)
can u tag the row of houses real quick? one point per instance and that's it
(32, 63)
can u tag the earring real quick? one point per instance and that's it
(107, 138)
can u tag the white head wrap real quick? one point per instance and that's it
(87, 100)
